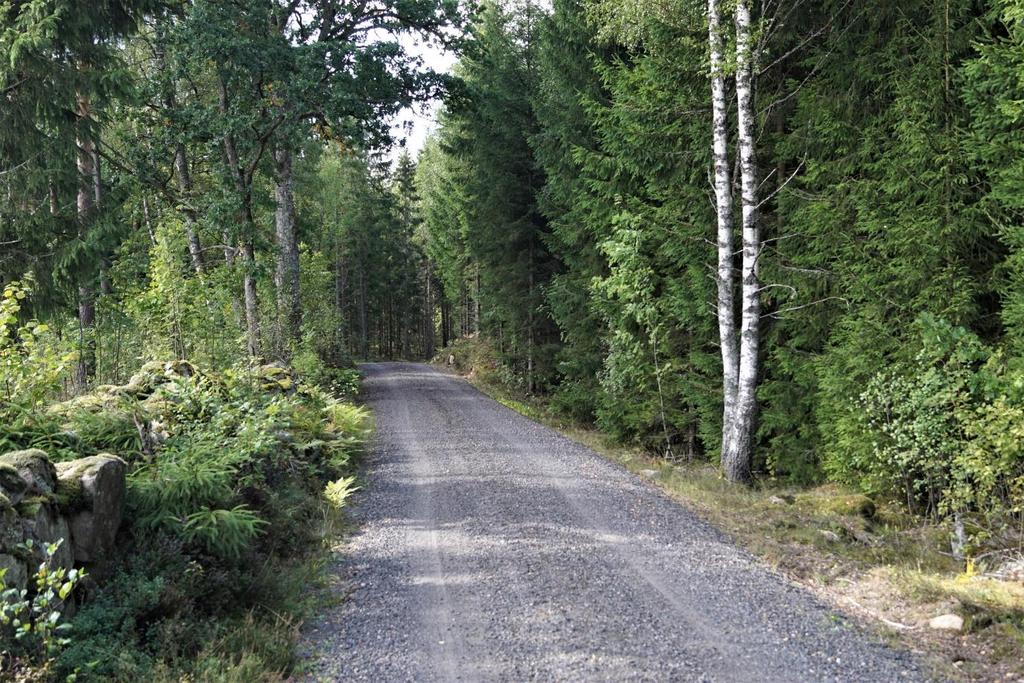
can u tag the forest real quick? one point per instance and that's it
(782, 237)
(790, 245)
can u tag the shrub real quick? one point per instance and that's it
(226, 490)
(30, 618)
(946, 429)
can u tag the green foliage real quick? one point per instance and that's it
(31, 618)
(231, 476)
(944, 429)
(337, 492)
(32, 363)
(891, 192)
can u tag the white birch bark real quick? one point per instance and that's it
(723, 210)
(737, 460)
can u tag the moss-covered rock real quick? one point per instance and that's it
(28, 507)
(69, 494)
(11, 531)
(42, 523)
(14, 571)
(12, 485)
(35, 468)
(276, 378)
(155, 373)
(93, 490)
(95, 402)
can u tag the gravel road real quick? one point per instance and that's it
(492, 548)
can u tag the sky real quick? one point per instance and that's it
(415, 124)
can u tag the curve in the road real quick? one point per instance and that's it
(492, 548)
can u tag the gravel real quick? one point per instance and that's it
(493, 548)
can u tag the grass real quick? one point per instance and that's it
(872, 560)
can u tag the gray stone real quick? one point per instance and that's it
(35, 468)
(95, 502)
(947, 622)
(42, 523)
(16, 575)
(830, 536)
(12, 486)
(11, 531)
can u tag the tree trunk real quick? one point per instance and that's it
(529, 324)
(248, 223)
(738, 461)
(184, 178)
(445, 324)
(195, 249)
(723, 211)
(87, 200)
(476, 304)
(252, 309)
(364, 331)
(286, 274)
(147, 219)
(340, 297)
(428, 311)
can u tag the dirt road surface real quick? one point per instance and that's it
(491, 548)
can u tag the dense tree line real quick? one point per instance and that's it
(779, 235)
(178, 177)
(785, 234)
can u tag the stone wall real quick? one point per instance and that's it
(78, 502)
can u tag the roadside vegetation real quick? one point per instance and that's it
(869, 556)
(235, 483)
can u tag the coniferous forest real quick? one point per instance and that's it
(788, 243)
(780, 238)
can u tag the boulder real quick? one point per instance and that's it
(153, 374)
(276, 378)
(845, 505)
(947, 622)
(35, 468)
(91, 493)
(830, 536)
(15, 575)
(11, 531)
(12, 486)
(41, 522)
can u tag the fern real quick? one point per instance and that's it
(337, 492)
(227, 533)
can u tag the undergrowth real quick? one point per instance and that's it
(236, 479)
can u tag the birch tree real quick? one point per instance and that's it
(723, 211)
(736, 456)
(739, 355)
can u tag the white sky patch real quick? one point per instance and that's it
(414, 124)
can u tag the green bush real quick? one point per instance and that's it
(946, 429)
(31, 624)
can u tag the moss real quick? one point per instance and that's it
(70, 494)
(33, 466)
(25, 458)
(10, 480)
(30, 506)
(835, 503)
